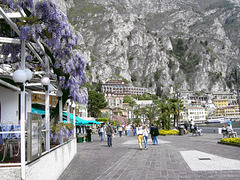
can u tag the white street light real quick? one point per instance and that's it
(29, 74)
(19, 76)
(68, 104)
(73, 105)
(45, 81)
(59, 93)
(74, 119)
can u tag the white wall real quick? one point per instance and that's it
(48, 167)
(52, 165)
(9, 105)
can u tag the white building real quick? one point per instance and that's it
(196, 113)
(144, 103)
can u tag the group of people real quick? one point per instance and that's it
(124, 128)
(229, 130)
(109, 130)
(142, 132)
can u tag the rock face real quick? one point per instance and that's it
(164, 44)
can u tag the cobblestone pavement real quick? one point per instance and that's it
(176, 157)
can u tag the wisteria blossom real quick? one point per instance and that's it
(49, 25)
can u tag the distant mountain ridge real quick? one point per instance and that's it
(184, 45)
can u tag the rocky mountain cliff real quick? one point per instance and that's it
(159, 44)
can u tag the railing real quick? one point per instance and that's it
(10, 143)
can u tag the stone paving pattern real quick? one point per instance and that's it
(124, 161)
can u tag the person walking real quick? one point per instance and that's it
(125, 129)
(128, 129)
(89, 134)
(191, 125)
(101, 131)
(186, 125)
(155, 134)
(151, 131)
(120, 130)
(134, 129)
(145, 136)
(109, 132)
(140, 135)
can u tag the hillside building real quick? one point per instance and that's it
(121, 88)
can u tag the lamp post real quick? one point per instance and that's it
(59, 94)
(68, 105)
(20, 77)
(29, 74)
(74, 119)
(45, 82)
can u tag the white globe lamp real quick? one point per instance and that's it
(45, 81)
(59, 93)
(19, 76)
(29, 74)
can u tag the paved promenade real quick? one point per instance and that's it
(176, 157)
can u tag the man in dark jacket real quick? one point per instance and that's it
(155, 134)
(109, 132)
(89, 134)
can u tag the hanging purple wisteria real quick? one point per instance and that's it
(51, 27)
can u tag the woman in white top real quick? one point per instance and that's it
(140, 136)
(145, 135)
(101, 131)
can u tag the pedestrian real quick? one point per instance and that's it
(128, 129)
(109, 132)
(101, 131)
(151, 131)
(120, 130)
(192, 125)
(145, 136)
(140, 135)
(125, 129)
(186, 125)
(98, 129)
(230, 123)
(134, 129)
(89, 134)
(155, 134)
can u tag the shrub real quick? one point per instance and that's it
(168, 132)
(105, 120)
(230, 141)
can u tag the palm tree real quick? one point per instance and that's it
(137, 113)
(151, 112)
(173, 103)
(164, 116)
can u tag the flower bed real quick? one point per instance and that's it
(168, 132)
(230, 141)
